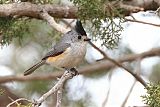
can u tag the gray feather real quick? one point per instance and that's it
(56, 50)
(34, 67)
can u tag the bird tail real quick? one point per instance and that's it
(34, 67)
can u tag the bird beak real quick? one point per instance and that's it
(87, 39)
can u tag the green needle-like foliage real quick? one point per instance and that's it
(12, 28)
(152, 98)
(99, 12)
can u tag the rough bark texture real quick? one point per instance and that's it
(33, 10)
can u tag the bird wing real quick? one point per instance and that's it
(56, 50)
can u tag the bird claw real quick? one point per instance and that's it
(36, 103)
(74, 72)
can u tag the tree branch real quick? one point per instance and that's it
(138, 21)
(44, 15)
(99, 50)
(57, 88)
(137, 70)
(129, 93)
(67, 75)
(32, 10)
(16, 101)
(122, 66)
(101, 65)
(59, 97)
(108, 92)
(138, 78)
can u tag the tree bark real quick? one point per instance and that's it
(33, 10)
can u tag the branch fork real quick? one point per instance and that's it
(44, 15)
(56, 89)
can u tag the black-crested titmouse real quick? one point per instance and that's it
(68, 52)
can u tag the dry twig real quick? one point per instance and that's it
(122, 66)
(129, 93)
(138, 21)
(108, 92)
(98, 66)
(44, 15)
(59, 97)
(20, 99)
(32, 10)
(137, 70)
(67, 75)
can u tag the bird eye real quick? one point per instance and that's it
(79, 37)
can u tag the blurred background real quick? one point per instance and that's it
(112, 87)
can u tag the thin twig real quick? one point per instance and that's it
(128, 70)
(44, 15)
(129, 93)
(131, 8)
(101, 65)
(59, 97)
(132, 17)
(57, 88)
(94, 46)
(138, 70)
(67, 75)
(132, 20)
(69, 24)
(108, 92)
(121, 66)
(20, 99)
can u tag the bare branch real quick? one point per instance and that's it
(108, 92)
(137, 21)
(57, 88)
(101, 65)
(95, 47)
(20, 99)
(138, 78)
(122, 66)
(32, 10)
(131, 8)
(44, 15)
(129, 93)
(137, 70)
(67, 75)
(59, 97)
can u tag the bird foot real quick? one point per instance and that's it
(74, 71)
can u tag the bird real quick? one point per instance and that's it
(67, 53)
